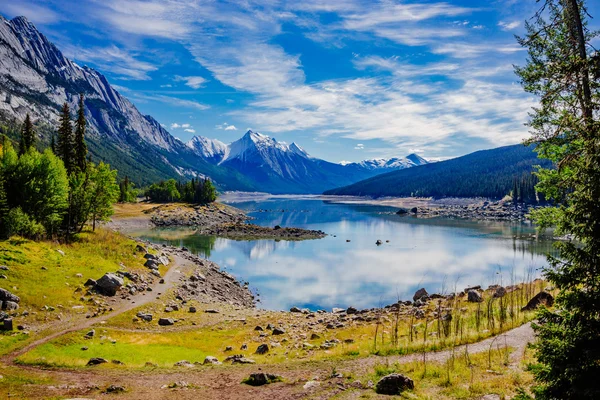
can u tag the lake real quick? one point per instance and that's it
(440, 254)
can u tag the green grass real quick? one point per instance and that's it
(459, 378)
(41, 276)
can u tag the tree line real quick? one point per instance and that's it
(197, 191)
(57, 191)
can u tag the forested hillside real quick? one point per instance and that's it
(487, 173)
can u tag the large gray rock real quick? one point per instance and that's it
(473, 296)
(5, 295)
(211, 360)
(10, 306)
(166, 321)
(96, 361)
(262, 349)
(109, 284)
(420, 294)
(544, 298)
(394, 384)
(152, 264)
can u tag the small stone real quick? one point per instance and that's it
(211, 360)
(260, 379)
(166, 321)
(96, 361)
(212, 311)
(278, 331)
(184, 363)
(115, 389)
(90, 334)
(193, 309)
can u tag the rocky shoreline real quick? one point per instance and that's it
(486, 210)
(224, 221)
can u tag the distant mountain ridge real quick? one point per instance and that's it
(283, 168)
(36, 78)
(486, 173)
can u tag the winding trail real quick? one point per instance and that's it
(170, 278)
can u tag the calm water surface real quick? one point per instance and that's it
(438, 254)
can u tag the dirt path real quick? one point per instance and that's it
(170, 279)
(223, 382)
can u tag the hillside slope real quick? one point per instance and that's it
(486, 173)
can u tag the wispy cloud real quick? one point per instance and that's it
(509, 26)
(36, 13)
(119, 62)
(173, 101)
(195, 82)
(226, 127)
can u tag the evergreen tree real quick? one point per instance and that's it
(65, 145)
(27, 136)
(3, 206)
(80, 146)
(566, 128)
(53, 143)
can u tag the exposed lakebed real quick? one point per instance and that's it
(347, 268)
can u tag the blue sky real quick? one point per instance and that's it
(347, 80)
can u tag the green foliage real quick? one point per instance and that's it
(127, 191)
(19, 223)
(566, 128)
(38, 184)
(104, 192)
(164, 191)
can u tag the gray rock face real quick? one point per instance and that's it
(420, 294)
(394, 384)
(109, 284)
(10, 306)
(474, 297)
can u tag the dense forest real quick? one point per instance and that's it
(487, 173)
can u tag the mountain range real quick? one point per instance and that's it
(36, 78)
(485, 173)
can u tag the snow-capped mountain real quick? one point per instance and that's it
(212, 150)
(283, 168)
(36, 78)
(412, 160)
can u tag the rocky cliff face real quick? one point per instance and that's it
(36, 78)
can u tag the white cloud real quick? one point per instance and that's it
(195, 82)
(120, 62)
(190, 130)
(359, 146)
(225, 126)
(175, 125)
(508, 26)
(34, 12)
(172, 101)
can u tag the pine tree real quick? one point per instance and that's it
(3, 206)
(80, 146)
(566, 127)
(27, 136)
(53, 143)
(65, 145)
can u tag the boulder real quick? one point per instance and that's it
(10, 306)
(152, 264)
(90, 334)
(295, 310)
(420, 294)
(499, 292)
(109, 284)
(144, 316)
(5, 295)
(261, 378)
(149, 256)
(258, 328)
(351, 310)
(163, 260)
(262, 349)
(184, 363)
(90, 282)
(278, 331)
(7, 324)
(141, 249)
(402, 211)
(96, 361)
(473, 296)
(414, 210)
(544, 298)
(394, 384)
(211, 360)
(166, 321)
